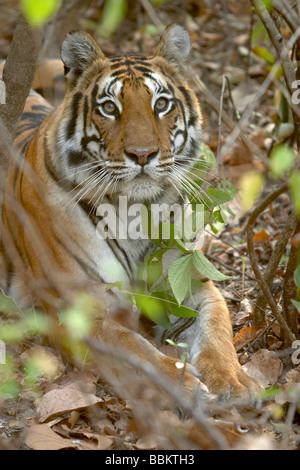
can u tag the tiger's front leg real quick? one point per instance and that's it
(132, 343)
(211, 348)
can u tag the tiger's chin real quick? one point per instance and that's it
(142, 189)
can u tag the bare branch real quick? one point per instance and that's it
(260, 279)
(273, 265)
(283, 54)
(19, 72)
(18, 76)
(283, 9)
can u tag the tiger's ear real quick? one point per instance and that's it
(174, 45)
(78, 52)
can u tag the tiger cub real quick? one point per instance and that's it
(128, 126)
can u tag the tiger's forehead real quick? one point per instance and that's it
(132, 71)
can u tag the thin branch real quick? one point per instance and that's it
(264, 332)
(273, 265)
(289, 288)
(152, 15)
(213, 102)
(220, 125)
(283, 9)
(278, 43)
(229, 267)
(283, 53)
(260, 93)
(260, 279)
(19, 72)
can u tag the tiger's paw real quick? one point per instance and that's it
(187, 377)
(234, 386)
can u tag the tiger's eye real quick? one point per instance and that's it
(161, 104)
(109, 107)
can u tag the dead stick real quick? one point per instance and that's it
(260, 279)
(273, 263)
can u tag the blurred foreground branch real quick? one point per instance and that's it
(18, 76)
(176, 393)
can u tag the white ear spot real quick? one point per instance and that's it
(179, 36)
(78, 52)
(174, 45)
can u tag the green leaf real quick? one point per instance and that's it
(181, 246)
(295, 190)
(264, 54)
(113, 14)
(205, 267)
(296, 303)
(209, 157)
(251, 185)
(7, 304)
(173, 308)
(154, 309)
(179, 276)
(282, 159)
(217, 197)
(182, 311)
(37, 12)
(218, 216)
(158, 2)
(297, 276)
(268, 4)
(258, 33)
(182, 345)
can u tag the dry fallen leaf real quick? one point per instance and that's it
(58, 402)
(98, 441)
(81, 380)
(41, 437)
(246, 335)
(148, 442)
(261, 236)
(264, 366)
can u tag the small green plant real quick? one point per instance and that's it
(184, 355)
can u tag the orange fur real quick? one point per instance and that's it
(48, 241)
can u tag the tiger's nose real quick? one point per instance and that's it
(141, 156)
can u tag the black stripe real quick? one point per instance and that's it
(63, 184)
(114, 246)
(85, 113)
(118, 251)
(86, 267)
(94, 95)
(143, 69)
(74, 112)
(177, 328)
(9, 268)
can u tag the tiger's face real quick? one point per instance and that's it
(131, 124)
